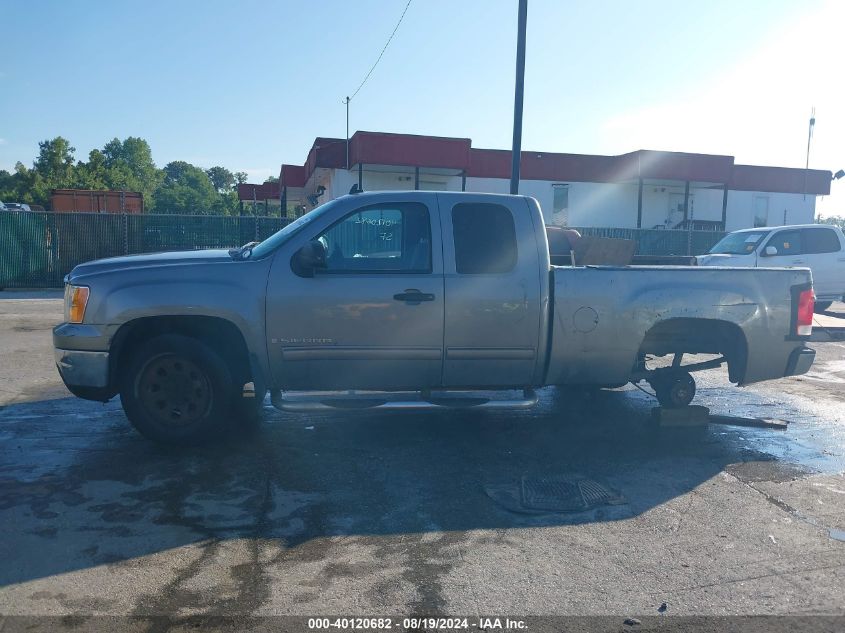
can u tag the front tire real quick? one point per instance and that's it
(176, 390)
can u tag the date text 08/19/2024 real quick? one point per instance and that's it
(416, 623)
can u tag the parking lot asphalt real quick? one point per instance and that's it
(364, 514)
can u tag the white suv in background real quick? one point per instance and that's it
(818, 247)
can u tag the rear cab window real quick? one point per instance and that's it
(485, 239)
(820, 240)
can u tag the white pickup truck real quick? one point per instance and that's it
(819, 247)
(391, 293)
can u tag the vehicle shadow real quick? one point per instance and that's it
(79, 488)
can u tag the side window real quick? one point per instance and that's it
(393, 237)
(820, 241)
(485, 238)
(787, 242)
(560, 205)
(761, 211)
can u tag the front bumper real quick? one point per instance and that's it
(800, 361)
(83, 369)
(85, 374)
(82, 364)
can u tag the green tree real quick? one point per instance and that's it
(229, 203)
(129, 165)
(271, 179)
(94, 174)
(186, 189)
(8, 186)
(26, 181)
(55, 161)
(53, 169)
(222, 179)
(835, 220)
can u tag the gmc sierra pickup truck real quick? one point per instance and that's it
(408, 300)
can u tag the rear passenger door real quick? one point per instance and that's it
(824, 256)
(492, 291)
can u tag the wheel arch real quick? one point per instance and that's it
(222, 335)
(699, 336)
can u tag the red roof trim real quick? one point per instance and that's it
(266, 191)
(292, 176)
(489, 163)
(780, 180)
(412, 150)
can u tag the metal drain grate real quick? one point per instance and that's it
(573, 493)
(551, 493)
(596, 494)
(565, 493)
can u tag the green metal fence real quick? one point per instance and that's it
(38, 249)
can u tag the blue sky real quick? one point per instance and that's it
(249, 84)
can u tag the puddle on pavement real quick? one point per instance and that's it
(814, 440)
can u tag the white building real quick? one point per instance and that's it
(642, 189)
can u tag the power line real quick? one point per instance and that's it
(396, 28)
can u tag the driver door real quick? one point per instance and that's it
(790, 253)
(373, 317)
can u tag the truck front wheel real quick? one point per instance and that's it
(176, 390)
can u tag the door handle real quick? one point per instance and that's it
(797, 261)
(413, 296)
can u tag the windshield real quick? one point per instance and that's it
(738, 243)
(280, 237)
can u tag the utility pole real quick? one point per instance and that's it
(809, 138)
(346, 101)
(517, 97)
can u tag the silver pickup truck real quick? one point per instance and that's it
(408, 300)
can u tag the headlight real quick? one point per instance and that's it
(76, 299)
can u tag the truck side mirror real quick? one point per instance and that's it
(308, 259)
(770, 251)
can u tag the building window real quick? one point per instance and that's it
(761, 211)
(675, 220)
(560, 205)
(380, 238)
(485, 239)
(432, 185)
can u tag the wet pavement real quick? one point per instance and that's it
(356, 513)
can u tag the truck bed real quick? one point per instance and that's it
(605, 318)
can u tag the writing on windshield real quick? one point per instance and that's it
(738, 243)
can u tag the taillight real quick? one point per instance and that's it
(804, 319)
